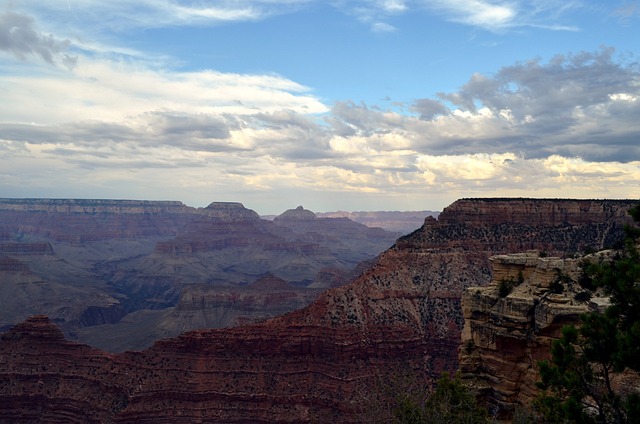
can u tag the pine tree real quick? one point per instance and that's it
(579, 380)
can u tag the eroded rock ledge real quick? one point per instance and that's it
(505, 335)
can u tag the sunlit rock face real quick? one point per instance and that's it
(507, 332)
(402, 315)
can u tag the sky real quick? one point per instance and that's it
(330, 104)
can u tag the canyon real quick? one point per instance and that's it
(402, 314)
(110, 272)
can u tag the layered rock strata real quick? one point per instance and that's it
(79, 220)
(510, 324)
(402, 315)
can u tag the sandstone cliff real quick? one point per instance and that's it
(403, 314)
(506, 333)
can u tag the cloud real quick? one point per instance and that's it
(20, 37)
(374, 13)
(534, 126)
(564, 106)
(476, 12)
(626, 12)
(119, 91)
(429, 108)
(121, 15)
(382, 27)
(503, 15)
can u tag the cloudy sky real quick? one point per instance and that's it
(330, 104)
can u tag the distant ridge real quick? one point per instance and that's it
(399, 221)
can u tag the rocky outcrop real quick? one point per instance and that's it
(47, 379)
(555, 226)
(296, 246)
(297, 214)
(341, 236)
(230, 211)
(9, 264)
(26, 248)
(24, 293)
(511, 323)
(403, 314)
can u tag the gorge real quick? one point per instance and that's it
(402, 314)
(109, 272)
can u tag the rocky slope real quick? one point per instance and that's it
(403, 314)
(202, 306)
(340, 235)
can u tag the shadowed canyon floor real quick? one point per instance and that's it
(403, 314)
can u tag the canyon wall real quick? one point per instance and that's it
(83, 220)
(201, 306)
(402, 315)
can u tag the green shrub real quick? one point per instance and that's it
(505, 288)
(556, 287)
(584, 296)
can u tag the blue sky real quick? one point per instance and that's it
(352, 105)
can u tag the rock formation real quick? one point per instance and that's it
(403, 314)
(297, 214)
(51, 380)
(78, 220)
(511, 323)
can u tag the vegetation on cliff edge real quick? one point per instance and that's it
(582, 381)
(405, 401)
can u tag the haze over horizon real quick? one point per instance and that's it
(340, 105)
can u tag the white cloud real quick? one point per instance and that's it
(476, 12)
(382, 27)
(500, 15)
(123, 14)
(466, 168)
(111, 91)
